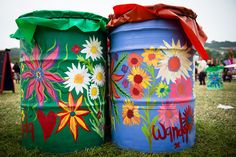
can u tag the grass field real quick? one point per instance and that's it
(216, 128)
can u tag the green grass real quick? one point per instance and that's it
(216, 128)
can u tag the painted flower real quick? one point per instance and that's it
(162, 90)
(39, 75)
(152, 57)
(136, 92)
(75, 49)
(98, 75)
(124, 68)
(77, 78)
(72, 115)
(188, 118)
(139, 77)
(214, 80)
(168, 115)
(125, 83)
(94, 91)
(182, 88)
(130, 113)
(134, 60)
(175, 63)
(92, 48)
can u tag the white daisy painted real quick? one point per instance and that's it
(78, 78)
(93, 91)
(93, 48)
(98, 75)
(175, 62)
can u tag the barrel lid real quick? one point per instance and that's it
(214, 68)
(128, 13)
(59, 20)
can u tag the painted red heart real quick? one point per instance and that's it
(47, 122)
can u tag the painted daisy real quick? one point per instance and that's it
(93, 91)
(78, 78)
(152, 56)
(139, 77)
(168, 115)
(175, 63)
(92, 48)
(162, 90)
(98, 75)
(130, 113)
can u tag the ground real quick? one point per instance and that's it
(216, 128)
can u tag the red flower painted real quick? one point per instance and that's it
(40, 78)
(134, 60)
(188, 119)
(136, 92)
(76, 49)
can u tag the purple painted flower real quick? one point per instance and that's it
(125, 83)
(116, 57)
(124, 68)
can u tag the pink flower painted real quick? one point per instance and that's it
(168, 115)
(182, 88)
(39, 75)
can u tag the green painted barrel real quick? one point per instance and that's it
(63, 79)
(214, 78)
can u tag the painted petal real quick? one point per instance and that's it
(71, 101)
(36, 56)
(53, 77)
(27, 74)
(63, 106)
(50, 59)
(116, 77)
(79, 102)
(27, 61)
(63, 122)
(115, 94)
(81, 112)
(40, 92)
(30, 88)
(50, 89)
(81, 123)
(61, 114)
(73, 128)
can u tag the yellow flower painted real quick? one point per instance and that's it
(152, 56)
(72, 115)
(139, 77)
(130, 113)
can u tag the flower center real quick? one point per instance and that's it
(190, 119)
(130, 114)
(134, 60)
(136, 91)
(151, 56)
(174, 64)
(72, 113)
(99, 76)
(169, 114)
(78, 79)
(138, 79)
(38, 74)
(162, 90)
(180, 89)
(94, 91)
(94, 49)
(214, 78)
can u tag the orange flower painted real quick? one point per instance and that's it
(134, 60)
(72, 115)
(130, 113)
(136, 92)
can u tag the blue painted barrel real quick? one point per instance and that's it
(152, 81)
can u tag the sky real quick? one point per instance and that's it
(217, 17)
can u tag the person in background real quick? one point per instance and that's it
(16, 69)
(202, 65)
